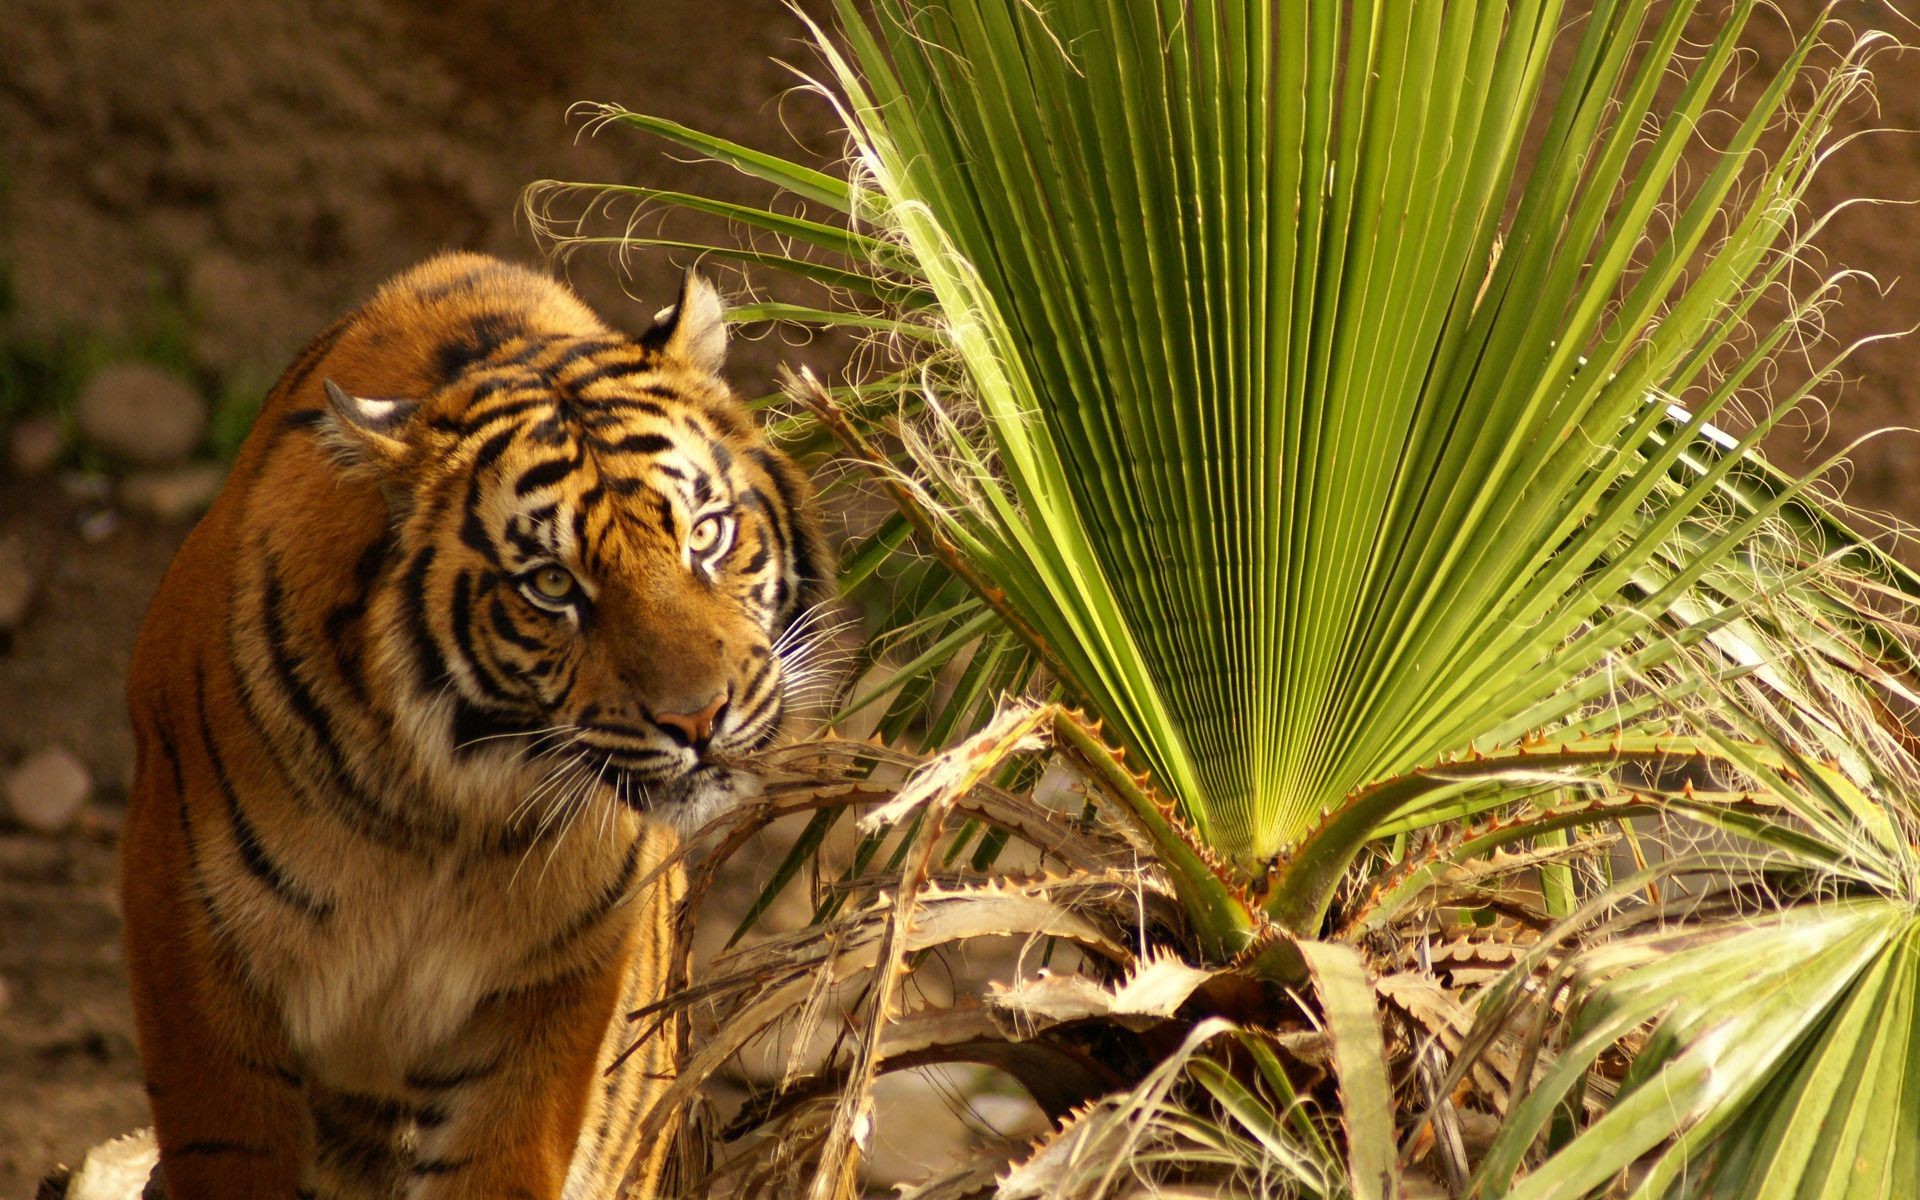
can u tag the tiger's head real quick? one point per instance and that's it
(598, 566)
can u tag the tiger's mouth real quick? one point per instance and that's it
(690, 799)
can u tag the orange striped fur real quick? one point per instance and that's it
(419, 705)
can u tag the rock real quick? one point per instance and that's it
(98, 526)
(173, 494)
(48, 790)
(18, 584)
(142, 413)
(33, 445)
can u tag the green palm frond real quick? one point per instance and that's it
(1333, 399)
(1306, 429)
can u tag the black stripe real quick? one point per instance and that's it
(198, 883)
(799, 547)
(428, 661)
(380, 1112)
(445, 1081)
(527, 543)
(209, 1147)
(535, 349)
(602, 413)
(549, 431)
(246, 838)
(634, 443)
(766, 737)
(344, 1147)
(619, 370)
(300, 371)
(577, 349)
(439, 1166)
(365, 571)
(473, 531)
(286, 665)
(474, 727)
(758, 500)
(460, 285)
(758, 678)
(616, 892)
(285, 1075)
(306, 707)
(474, 422)
(484, 335)
(490, 451)
(753, 714)
(550, 472)
(460, 620)
(171, 753)
(361, 813)
(503, 625)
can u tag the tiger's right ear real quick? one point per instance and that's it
(367, 430)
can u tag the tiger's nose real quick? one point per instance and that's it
(695, 727)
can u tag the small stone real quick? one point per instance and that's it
(17, 585)
(142, 413)
(174, 494)
(33, 446)
(48, 790)
(98, 526)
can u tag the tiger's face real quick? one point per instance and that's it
(600, 567)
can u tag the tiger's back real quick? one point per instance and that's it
(489, 598)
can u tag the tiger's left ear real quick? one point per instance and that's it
(694, 330)
(368, 430)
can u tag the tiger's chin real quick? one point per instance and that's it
(689, 802)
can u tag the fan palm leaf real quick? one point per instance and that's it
(1328, 396)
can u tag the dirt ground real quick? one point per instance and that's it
(241, 170)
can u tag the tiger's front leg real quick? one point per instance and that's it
(510, 1092)
(229, 1111)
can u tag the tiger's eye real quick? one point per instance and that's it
(553, 583)
(703, 535)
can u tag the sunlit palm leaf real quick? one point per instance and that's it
(1301, 486)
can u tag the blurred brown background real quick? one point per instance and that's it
(200, 187)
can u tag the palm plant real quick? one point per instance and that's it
(1487, 777)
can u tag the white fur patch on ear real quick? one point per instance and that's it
(367, 433)
(695, 329)
(366, 413)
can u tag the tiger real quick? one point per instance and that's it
(422, 708)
